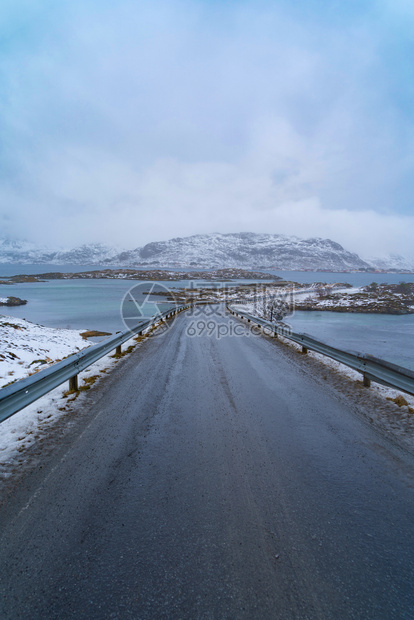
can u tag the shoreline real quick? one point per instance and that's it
(163, 275)
(350, 310)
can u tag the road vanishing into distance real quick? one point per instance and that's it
(212, 478)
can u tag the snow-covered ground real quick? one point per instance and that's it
(254, 307)
(26, 348)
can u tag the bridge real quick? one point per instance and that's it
(212, 474)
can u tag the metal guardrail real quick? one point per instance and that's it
(22, 393)
(372, 368)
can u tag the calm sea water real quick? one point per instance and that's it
(386, 336)
(96, 304)
(356, 279)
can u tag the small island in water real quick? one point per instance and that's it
(374, 298)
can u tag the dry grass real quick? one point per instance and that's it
(94, 333)
(88, 382)
(399, 400)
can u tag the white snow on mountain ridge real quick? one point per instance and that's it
(216, 250)
(27, 253)
(247, 250)
(392, 261)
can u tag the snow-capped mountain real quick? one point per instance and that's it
(216, 250)
(16, 251)
(23, 252)
(93, 254)
(245, 250)
(392, 262)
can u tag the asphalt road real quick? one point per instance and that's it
(212, 478)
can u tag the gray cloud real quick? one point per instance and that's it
(152, 119)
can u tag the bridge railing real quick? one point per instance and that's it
(22, 393)
(371, 368)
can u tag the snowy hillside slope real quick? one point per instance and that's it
(392, 261)
(247, 250)
(12, 251)
(26, 347)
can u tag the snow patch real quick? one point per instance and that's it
(26, 348)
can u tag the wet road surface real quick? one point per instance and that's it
(214, 478)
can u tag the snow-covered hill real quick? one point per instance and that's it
(13, 251)
(17, 251)
(247, 250)
(26, 347)
(392, 262)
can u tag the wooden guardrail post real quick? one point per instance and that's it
(366, 381)
(73, 384)
(304, 350)
(118, 350)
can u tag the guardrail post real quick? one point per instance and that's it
(304, 350)
(118, 350)
(73, 384)
(366, 381)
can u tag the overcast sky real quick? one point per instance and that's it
(139, 120)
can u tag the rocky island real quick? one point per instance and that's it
(12, 301)
(374, 298)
